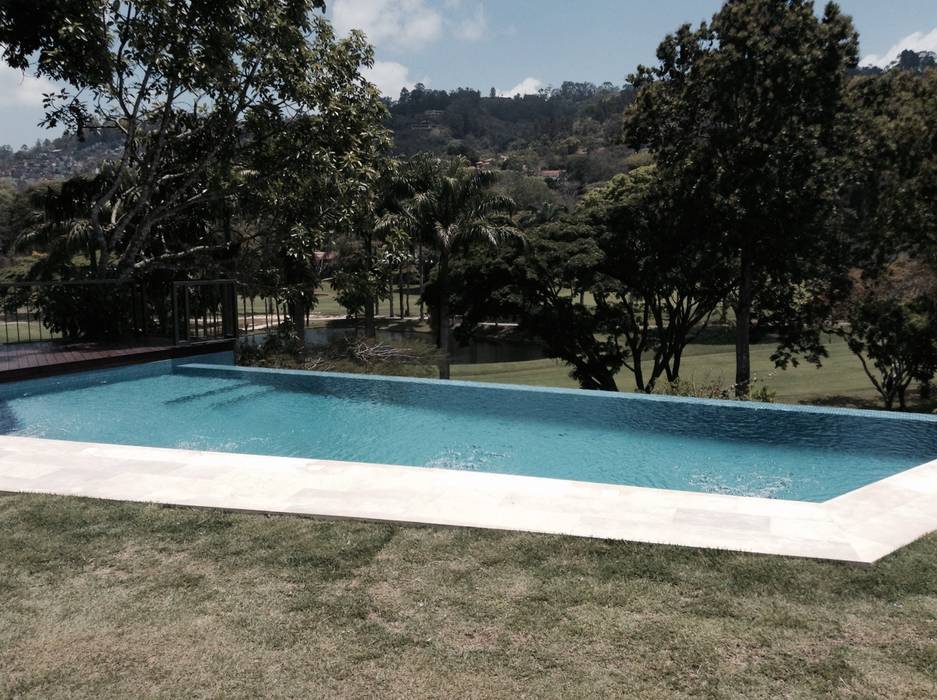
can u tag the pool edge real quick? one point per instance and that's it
(859, 527)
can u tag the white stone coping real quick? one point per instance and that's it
(859, 527)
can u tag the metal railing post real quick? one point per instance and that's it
(175, 314)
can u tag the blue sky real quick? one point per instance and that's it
(520, 45)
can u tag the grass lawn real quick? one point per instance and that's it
(840, 381)
(119, 600)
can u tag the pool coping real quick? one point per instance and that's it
(859, 527)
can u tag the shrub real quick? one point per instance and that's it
(710, 388)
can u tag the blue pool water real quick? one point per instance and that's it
(709, 446)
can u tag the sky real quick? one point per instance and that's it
(518, 46)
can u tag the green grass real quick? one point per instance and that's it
(25, 331)
(118, 600)
(327, 305)
(839, 381)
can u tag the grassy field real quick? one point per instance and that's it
(118, 600)
(840, 381)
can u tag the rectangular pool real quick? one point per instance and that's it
(746, 449)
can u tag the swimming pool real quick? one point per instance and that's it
(762, 450)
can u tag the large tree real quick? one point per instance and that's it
(891, 183)
(659, 267)
(740, 115)
(888, 316)
(215, 102)
(889, 321)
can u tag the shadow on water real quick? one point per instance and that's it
(9, 423)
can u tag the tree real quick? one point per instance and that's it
(890, 323)
(890, 193)
(740, 115)
(888, 317)
(362, 277)
(625, 282)
(663, 272)
(8, 197)
(453, 208)
(543, 284)
(916, 61)
(58, 224)
(203, 93)
(67, 36)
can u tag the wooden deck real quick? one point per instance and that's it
(31, 360)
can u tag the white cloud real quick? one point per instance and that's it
(20, 90)
(471, 26)
(402, 24)
(411, 24)
(389, 76)
(528, 86)
(919, 41)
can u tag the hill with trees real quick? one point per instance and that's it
(573, 129)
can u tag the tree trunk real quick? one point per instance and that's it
(443, 280)
(598, 380)
(369, 328)
(298, 316)
(422, 281)
(400, 289)
(673, 367)
(636, 357)
(743, 323)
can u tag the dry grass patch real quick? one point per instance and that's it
(106, 599)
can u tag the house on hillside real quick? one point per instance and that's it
(553, 176)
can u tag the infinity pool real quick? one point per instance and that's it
(683, 444)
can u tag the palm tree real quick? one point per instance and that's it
(59, 226)
(453, 206)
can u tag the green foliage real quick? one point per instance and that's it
(8, 197)
(220, 105)
(651, 281)
(892, 186)
(284, 350)
(535, 201)
(890, 324)
(573, 127)
(714, 388)
(741, 117)
(356, 283)
(888, 315)
(452, 207)
(67, 35)
(82, 312)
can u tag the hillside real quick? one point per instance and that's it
(569, 133)
(57, 159)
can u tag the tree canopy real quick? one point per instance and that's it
(740, 115)
(217, 104)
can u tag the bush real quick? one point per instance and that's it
(284, 350)
(82, 312)
(711, 388)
